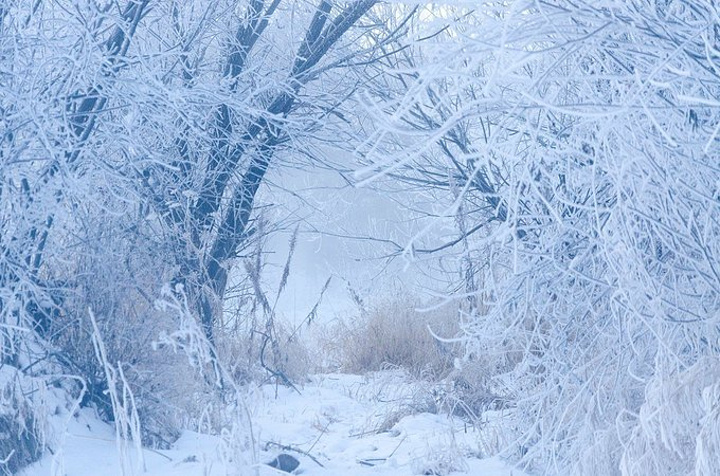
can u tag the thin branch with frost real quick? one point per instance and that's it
(127, 422)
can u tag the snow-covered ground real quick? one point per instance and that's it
(337, 425)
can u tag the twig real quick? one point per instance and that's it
(398, 446)
(374, 461)
(273, 373)
(295, 449)
(371, 461)
(158, 453)
(7, 458)
(319, 436)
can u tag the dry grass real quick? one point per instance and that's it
(394, 333)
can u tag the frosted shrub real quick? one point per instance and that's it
(395, 333)
(240, 352)
(441, 459)
(21, 426)
(679, 430)
(128, 324)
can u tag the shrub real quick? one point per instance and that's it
(128, 324)
(284, 352)
(441, 459)
(21, 437)
(468, 390)
(395, 332)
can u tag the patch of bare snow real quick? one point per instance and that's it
(338, 425)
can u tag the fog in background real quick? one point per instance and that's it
(346, 233)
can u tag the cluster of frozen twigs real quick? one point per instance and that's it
(576, 144)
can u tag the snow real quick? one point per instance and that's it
(337, 425)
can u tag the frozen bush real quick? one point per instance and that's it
(21, 436)
(394, 332)
(441, 459)
(120, 298)
(285, 352)
(663, 443)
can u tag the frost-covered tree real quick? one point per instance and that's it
(178, 108)
(135, 140)
(580, 139)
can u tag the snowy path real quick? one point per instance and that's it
(335, 420)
